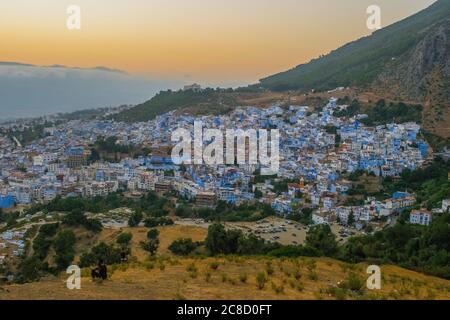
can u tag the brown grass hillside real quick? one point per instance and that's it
(234, 278)
(231, 277)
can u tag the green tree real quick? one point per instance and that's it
(135, 218)
(322, 239)
(30, 269)
(216, 240)
(151, 246)
(124, 239)
(258, 194)
(183, 247)
(351, 218)
(64, 248)
(152, 234)
(101, 252)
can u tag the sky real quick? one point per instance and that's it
(215, 42)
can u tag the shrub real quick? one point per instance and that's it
(338, 293)
(312, 275)
(353, 283)
(243, 277)
(30, 269)
(65, 252)
(277, 289)
(183, 247)
(180, 296)
(191, 268)
(77, 218)
(102, 252)
(156, 222)
(214, 265)
(152, 234)
(224, 277)
(135, 219)
(261, 280)
(124, 238)
(269, 269)
(150, 246)
(193, 274)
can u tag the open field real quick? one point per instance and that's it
(167, 235)
(273, 229)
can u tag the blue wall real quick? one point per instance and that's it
(6, 202)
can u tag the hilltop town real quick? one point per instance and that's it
(330, 172)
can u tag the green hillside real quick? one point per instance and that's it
(360, 62)
(213, 101)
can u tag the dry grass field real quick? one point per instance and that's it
(235, 278)
(168, 277)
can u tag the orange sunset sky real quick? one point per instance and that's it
(204, 40)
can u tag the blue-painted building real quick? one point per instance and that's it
(400, 195)
(6, 202)
(423, 148)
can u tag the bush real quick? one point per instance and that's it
(183, 247)
(65, 252)
(278, 289)
(269, 269)
(77, 218)
(224, 277)
(222, 241)
(152, 234)
(323, 240)
(30, 269)
(156, 222)
(312, 275)
(338, 293)
(353, 283)
(208, 276)
(191, 268)
(150, 246)
(261, 280)
(124, 238)
(135, 218)
(102, 252)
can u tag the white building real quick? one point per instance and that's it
(321, 217)
(422, 217)
(445, 205)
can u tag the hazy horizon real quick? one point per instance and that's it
(165, 44)
(203, 41)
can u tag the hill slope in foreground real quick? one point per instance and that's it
(231, 277)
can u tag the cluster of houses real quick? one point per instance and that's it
(311, 154)
(12, 243)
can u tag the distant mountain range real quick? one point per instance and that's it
(19, 64)
(28, 90)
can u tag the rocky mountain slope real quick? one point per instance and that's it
(407, 61)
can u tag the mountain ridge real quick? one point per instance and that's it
(21, 64)
(408, 61)
(353, 58)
